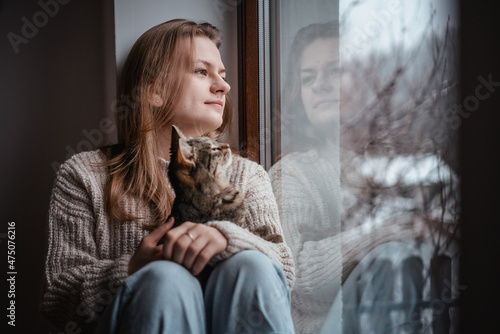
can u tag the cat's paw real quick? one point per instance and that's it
(274, 238)
(229, 195)
(265, 233)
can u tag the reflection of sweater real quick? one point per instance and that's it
(88, 254)
(307, 189)
(311, 224)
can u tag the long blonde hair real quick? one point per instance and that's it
(157, 64)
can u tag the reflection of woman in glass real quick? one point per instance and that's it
(333, 244)
(100, 254)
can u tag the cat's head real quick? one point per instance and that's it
(199, 157)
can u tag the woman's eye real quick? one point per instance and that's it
(307, 80)
(201, 71)
(335, 71)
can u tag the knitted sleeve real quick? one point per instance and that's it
(323, 258)
(79, 281)
(261, 210)
(318, 261)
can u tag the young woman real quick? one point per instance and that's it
(104, 268)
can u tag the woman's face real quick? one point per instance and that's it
(320, 83)
(200, 109)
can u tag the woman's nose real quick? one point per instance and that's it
(323, 83)
(220, 86)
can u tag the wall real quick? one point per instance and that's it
(59, 83)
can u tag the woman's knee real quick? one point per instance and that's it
(158, 270)
(251, 261)
(252, 290)
(160, 294)
(254, 267)
(163, 278)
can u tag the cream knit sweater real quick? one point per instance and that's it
(88, 254)
(307, 186)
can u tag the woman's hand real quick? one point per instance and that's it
(193, 245)
(148, 250)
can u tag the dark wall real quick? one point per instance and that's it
(59, 82)
(480, 163)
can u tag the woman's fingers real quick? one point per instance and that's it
(182, 243)
(202, 258)
(193, 245)
(194, 250)
(159, 232)
(212, 243)
(148, 250)
(180, 248)
(172, 238)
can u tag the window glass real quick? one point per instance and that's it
(364, 162)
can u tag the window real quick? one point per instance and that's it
(358, 129)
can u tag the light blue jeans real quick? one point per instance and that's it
(247, 293)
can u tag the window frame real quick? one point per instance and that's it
(259, 64)
(248, 20)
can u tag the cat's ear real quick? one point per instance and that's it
(180, 148)
(185, 153)
(176, 134)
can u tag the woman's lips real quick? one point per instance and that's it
(216, 102)
(325, 102)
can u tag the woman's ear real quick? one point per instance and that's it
(155, 100)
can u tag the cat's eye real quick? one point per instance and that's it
(221, 147)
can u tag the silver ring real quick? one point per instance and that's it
(190, 235)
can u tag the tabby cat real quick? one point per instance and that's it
(197, 174)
